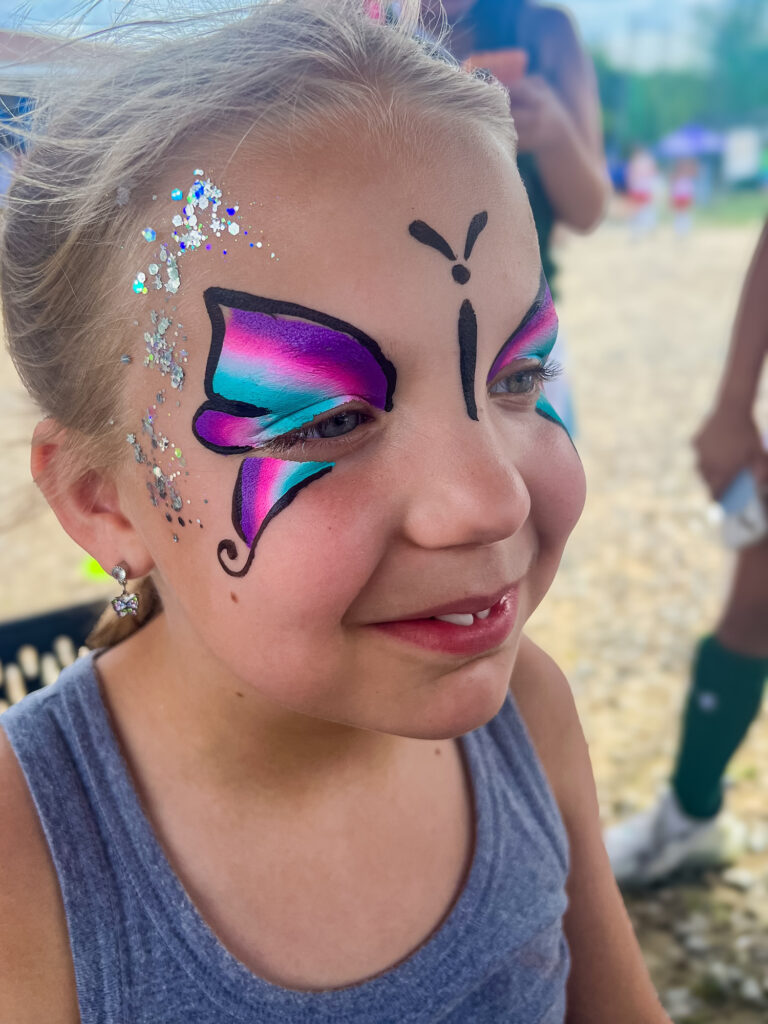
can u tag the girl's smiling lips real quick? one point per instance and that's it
(491, 618)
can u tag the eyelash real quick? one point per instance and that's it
(289, 441)
(541, 373)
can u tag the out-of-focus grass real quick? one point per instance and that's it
(731, 208)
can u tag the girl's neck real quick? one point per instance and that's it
(177, 714)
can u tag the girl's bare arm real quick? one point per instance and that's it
(608, 981)
(729, 438)
(37, 981)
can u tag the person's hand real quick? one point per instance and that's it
(726, 443)
(539, 115)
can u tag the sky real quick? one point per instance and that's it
(641, 34)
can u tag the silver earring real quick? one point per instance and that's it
(125, 603)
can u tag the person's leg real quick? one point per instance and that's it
(726, 692)
(684, 828)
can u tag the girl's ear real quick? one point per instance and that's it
(86, 503)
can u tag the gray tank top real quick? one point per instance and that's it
(144, 955)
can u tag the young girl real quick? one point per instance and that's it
(276, 287)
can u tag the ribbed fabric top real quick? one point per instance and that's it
(144, 955)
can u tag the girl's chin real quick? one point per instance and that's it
(459, 702)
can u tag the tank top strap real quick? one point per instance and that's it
(507, 751)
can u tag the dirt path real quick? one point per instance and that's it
(644, 577)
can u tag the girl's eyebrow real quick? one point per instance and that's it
(539, 324)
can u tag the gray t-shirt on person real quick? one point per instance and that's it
(144, 955)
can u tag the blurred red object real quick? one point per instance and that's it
(507, 66)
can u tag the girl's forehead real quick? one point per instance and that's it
(340, 239)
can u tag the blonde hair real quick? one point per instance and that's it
(285, 71)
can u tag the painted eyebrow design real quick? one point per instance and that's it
(539, 324)
(217, 299)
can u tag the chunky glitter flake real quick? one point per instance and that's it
(160, 350)
(160, 485)
(198, 217)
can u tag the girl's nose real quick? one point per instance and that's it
(464, 491)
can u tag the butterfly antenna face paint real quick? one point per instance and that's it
(428, 236)
(423, 233)
(468, 355)
(476, 225)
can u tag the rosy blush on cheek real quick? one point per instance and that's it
(273, 369)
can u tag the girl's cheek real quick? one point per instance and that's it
(558, 491)
(314, 556)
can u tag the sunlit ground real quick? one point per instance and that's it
(645, 575)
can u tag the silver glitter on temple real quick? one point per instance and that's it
(160, 485)
(161, 353)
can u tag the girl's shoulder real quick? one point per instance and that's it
(545, 702)
(608, 980)
(36, 972)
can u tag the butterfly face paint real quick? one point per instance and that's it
(272, 369)
(533, 339)
(467, 329)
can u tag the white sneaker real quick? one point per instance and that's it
(653, 844)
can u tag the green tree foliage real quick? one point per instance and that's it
(739, 53)
(731, 88)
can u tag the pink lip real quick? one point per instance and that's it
(461, 606)
(483, 635)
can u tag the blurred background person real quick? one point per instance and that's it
(682, 194)
(687, 827)
(643, 192)
(535, 51)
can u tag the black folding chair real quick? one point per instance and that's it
(34, 650)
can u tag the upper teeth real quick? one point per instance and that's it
(464, 619)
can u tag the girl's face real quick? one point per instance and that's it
(360, 444)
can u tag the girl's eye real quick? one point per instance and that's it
(328, 429)
(335, 426)
(526, 381)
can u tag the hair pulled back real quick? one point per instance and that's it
(108, 120)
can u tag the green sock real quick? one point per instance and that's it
(723, 701)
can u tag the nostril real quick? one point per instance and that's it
(460, 273)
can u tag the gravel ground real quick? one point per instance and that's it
(643, 577)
